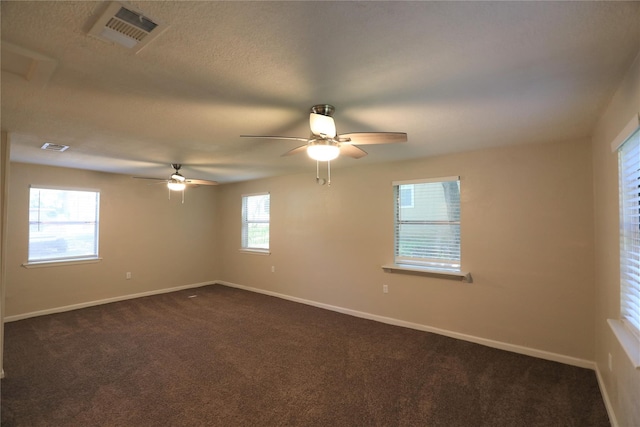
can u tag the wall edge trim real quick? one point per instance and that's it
(605, 397)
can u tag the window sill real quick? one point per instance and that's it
(443, 274)
(256, 251)
(58, 263)
(630, 343)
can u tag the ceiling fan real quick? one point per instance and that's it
(324, 143)
(177, 182)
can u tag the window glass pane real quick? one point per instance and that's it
(429, 241)
(629, 174)
(258, 208)
(255, 221)
(63, 224)
(428, 233)
(258, 236)
(406, 196)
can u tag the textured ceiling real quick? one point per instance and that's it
(454, 75)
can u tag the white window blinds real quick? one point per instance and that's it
(255, 221)
(629, 175)
(427, 223)
(63, 224)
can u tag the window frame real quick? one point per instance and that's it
(245, 223)
(64, 260)
(629, 234)
(446, 266)
(625, 331)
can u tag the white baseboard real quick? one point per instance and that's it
(541, 354)
(605, 398)
(103, 301)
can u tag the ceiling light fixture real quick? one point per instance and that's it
(175, 185)
(178, 177)
(322, 145)
(323, 150)
(322, 125)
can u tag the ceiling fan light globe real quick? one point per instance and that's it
(323, 152)
(176, 186)
(322, 125)
(177, 177)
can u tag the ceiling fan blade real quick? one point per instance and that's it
(291, 138)
(295, 151)
(153, 179)
(352, 151)
(368, 138)
(200, 182)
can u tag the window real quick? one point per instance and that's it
(629, 187)
(63, 224)
(427, 223)
(255, 222)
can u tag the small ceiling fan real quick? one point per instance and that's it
(177, 182)
(324, 143)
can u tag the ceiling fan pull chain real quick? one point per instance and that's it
(182, 196)
(329, 173)
(320, 181)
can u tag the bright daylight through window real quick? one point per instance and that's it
(427, 223)
(629, 174)
(63, 224)
(255, 222)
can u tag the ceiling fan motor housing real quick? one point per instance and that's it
(324, 109)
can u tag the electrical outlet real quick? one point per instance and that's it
(273, 268)
(385, 289)
(610, 362)
(128, 275)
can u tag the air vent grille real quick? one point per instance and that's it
(126, 26)
(126, 29)
(136, 20)
(50, 146)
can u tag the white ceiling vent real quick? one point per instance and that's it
(50, 146)
(127, 26)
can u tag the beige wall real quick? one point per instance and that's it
(623, 382)
(527, 239)
(162, 242)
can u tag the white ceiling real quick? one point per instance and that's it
(454, 75)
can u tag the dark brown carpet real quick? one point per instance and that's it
(228, 357)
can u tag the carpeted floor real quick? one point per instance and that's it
(218, 356)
